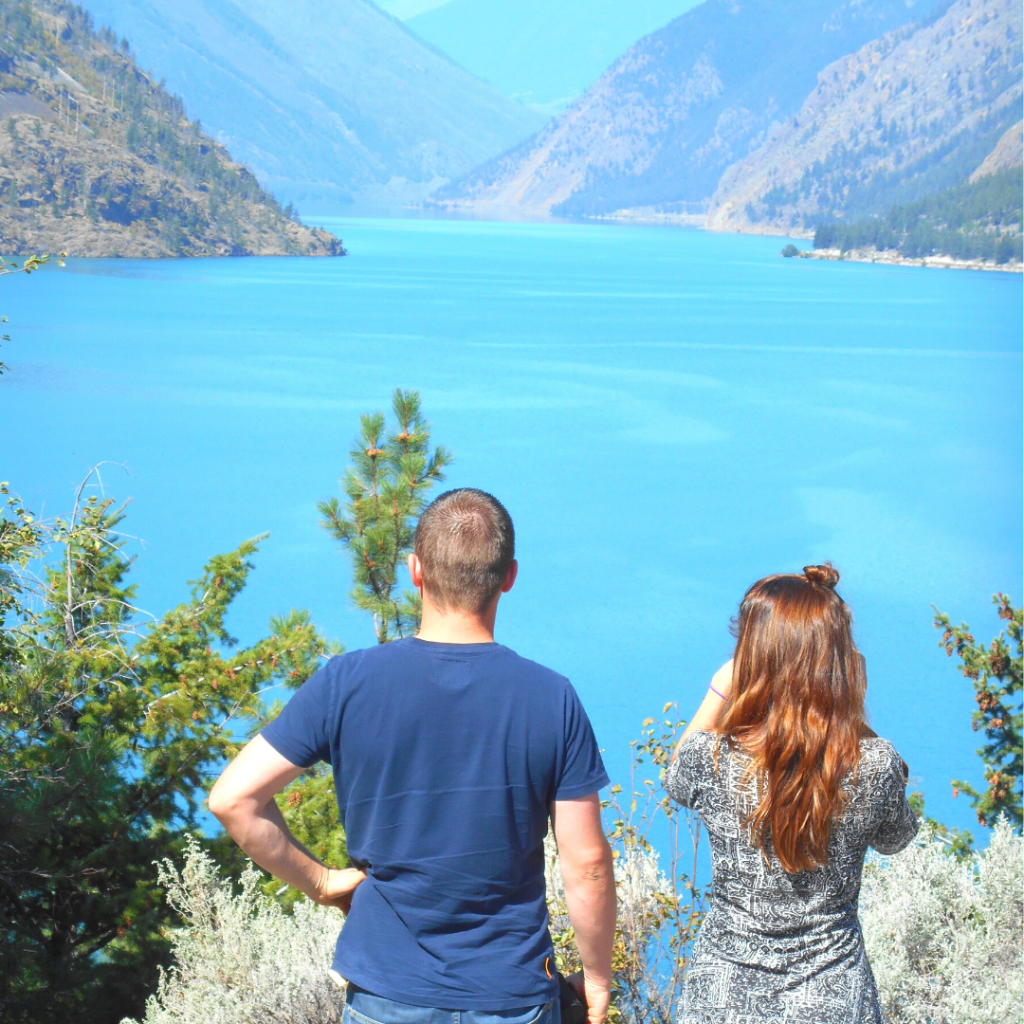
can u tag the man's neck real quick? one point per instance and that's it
(455, 627)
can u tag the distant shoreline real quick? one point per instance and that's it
(894, 259)
(649, 216)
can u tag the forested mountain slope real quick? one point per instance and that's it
(97, 160)
(978, 220)
(326, 102)
(664, 122)
(908, 115)
(543, 53)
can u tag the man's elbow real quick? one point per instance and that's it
(596, 874)
(224, 805)
(593, 865)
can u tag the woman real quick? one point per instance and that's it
(792, 787)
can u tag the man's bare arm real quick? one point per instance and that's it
(243, 801)
(586, 860)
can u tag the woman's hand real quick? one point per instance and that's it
(336, 887)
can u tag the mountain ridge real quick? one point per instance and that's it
(98, 160)
(668, 118)
(908, 115)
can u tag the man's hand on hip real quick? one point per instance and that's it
(337, 887)
(243, 801)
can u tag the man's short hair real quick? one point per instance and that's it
(465, 542)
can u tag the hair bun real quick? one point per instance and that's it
(824, 574)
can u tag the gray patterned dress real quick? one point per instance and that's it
(776, 947)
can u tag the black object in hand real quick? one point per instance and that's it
(573, 1009)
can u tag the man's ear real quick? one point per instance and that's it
(415, 571)
(510, 577)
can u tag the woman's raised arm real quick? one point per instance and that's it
(711, 707)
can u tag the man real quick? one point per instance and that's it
(449, 753)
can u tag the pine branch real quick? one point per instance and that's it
(385, 488)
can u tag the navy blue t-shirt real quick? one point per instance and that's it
(446, 759)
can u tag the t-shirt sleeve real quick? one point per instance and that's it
(683, 775)
(301, 733)
(583, 769)
(898, 824)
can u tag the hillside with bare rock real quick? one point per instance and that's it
(660, 127)
(98, 160)
(1008, 153)
(910, 114)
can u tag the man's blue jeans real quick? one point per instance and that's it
(363, 1008)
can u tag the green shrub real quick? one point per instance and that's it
(944, 935)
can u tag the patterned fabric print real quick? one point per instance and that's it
(776, 947)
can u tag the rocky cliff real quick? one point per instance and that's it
(98, 160)
(908, 115)
(664, 122)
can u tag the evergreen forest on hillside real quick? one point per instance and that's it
(979, 220)
(97, 159)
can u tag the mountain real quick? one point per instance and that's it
(326, 102)
(542, 53)
(906, 116)
(664, 122)
(97, 160)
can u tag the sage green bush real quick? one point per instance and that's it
(945, 935)
(239, 957)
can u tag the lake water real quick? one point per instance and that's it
(668, 415)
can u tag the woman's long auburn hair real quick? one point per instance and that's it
(797, 707)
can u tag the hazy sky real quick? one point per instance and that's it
(541, 53)
(409, 8)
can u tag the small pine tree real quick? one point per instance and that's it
(385, 491)
(109, 730)
(996, 673)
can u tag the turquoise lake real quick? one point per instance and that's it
(668, 415)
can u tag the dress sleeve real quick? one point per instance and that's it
(899, 823)
(683, 776)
